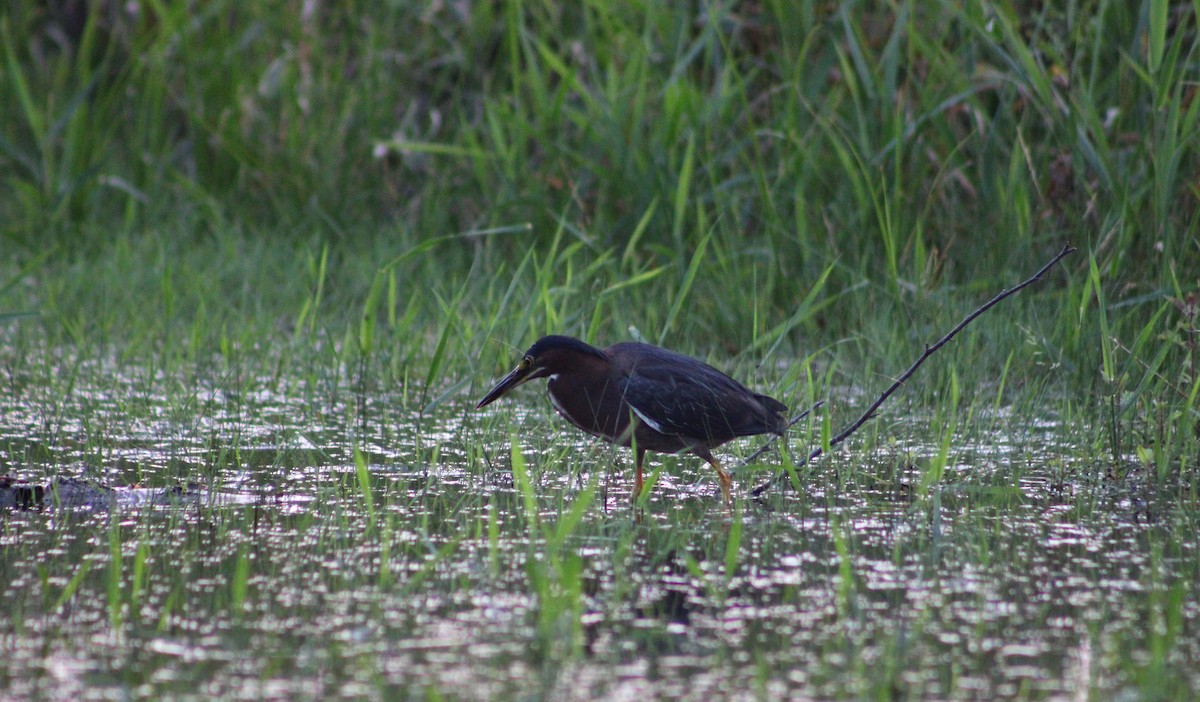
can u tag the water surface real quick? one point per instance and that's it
(1022, 572)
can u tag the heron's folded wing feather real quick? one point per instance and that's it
(699, 404)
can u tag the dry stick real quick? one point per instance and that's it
(771, 442)
(929, 351)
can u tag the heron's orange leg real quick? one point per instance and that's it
(637, 476)
(722, 476)
(726, 482)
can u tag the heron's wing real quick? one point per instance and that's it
(698, 402)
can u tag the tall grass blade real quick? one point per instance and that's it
(363, 474)
(685, 287)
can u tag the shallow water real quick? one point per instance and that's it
(1019, 573)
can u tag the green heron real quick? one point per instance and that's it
(647, 397)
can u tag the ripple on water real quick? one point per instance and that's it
(1018, 573)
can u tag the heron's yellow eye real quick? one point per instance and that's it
(526, 362)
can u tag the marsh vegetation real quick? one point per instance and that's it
(277, 255)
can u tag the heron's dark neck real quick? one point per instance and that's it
(587, 395)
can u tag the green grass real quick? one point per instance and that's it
(282, 253)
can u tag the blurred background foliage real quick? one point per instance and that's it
(909, 133)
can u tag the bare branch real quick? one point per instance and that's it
(929, 351)
(771, 442)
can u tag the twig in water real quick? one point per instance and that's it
(771, 442)
(929, 351)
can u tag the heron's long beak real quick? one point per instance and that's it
(518, 376)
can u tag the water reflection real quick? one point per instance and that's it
(1013, 575)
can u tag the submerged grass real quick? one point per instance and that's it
(276, 255)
